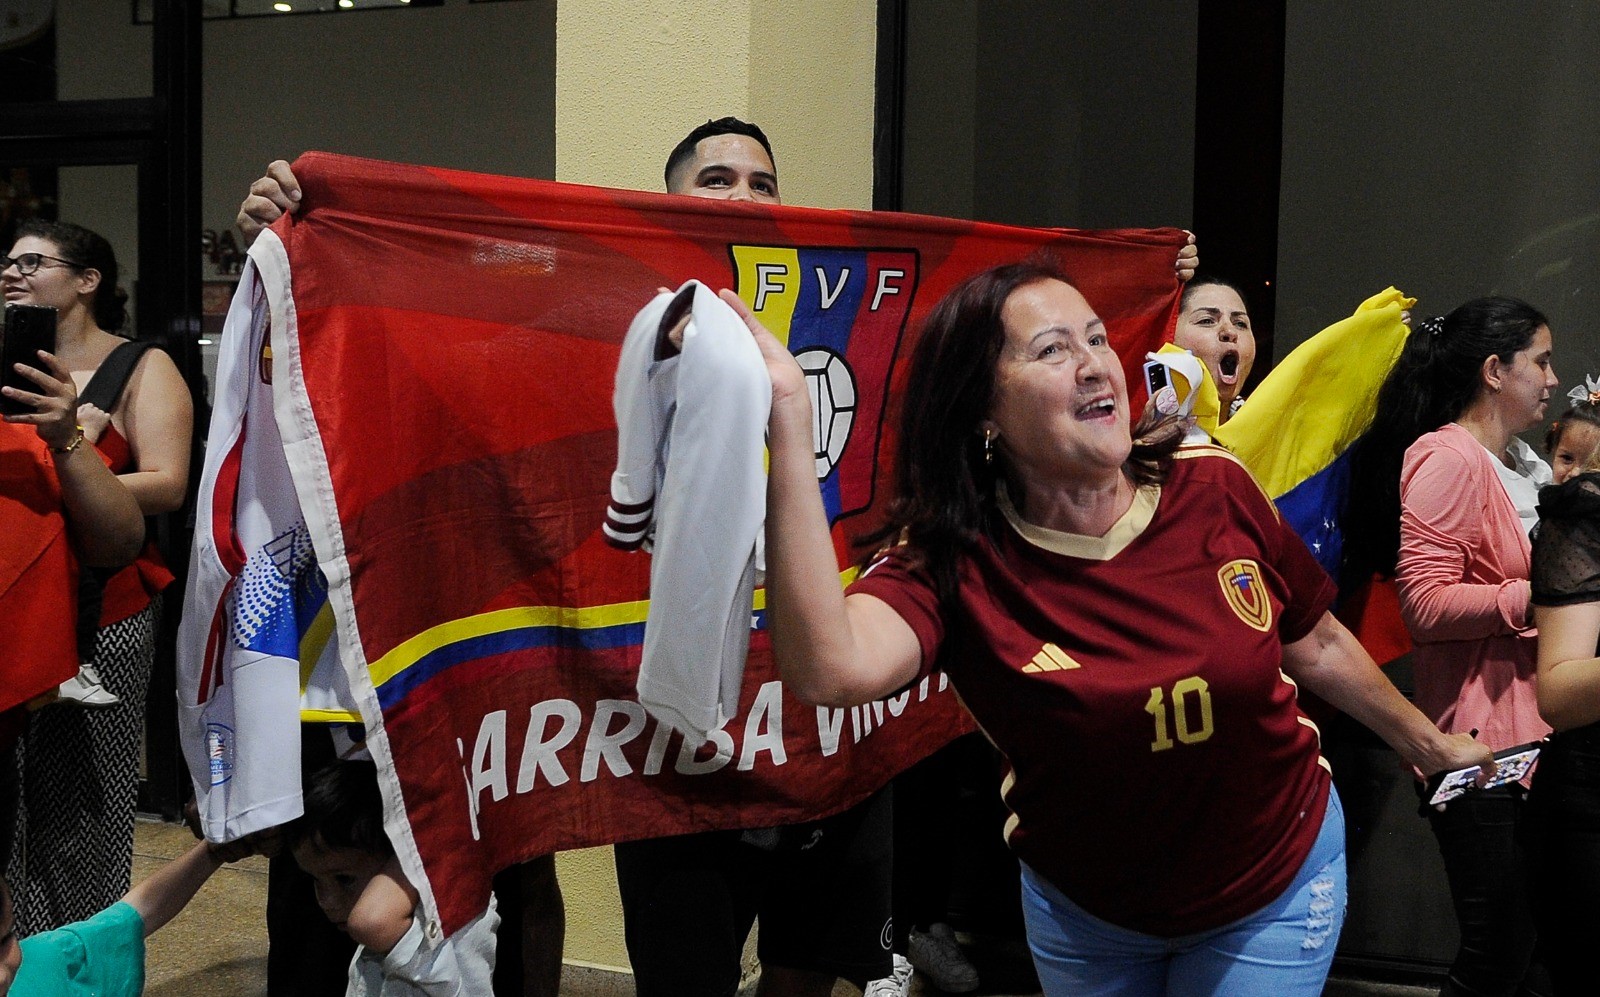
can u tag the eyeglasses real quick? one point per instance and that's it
(29, 263)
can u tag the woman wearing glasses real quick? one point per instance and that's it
(81, 758)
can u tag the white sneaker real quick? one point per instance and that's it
(85, 689)
(938, 956)
(896, 985)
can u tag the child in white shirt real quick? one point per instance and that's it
(341, 844)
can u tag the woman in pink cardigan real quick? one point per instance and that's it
(1445, 495)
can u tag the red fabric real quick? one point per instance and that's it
(38, 573)
(457, 337)
(1078, 667)
(130, 590)
(1372, 613)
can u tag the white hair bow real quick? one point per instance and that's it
(1588, 391)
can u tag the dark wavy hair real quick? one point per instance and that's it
(1433, 382)
(91, 251)
(944, 486)
(684, 150)
(343, 809)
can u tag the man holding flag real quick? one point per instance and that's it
(688, 901)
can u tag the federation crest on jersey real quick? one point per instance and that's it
(1246, 593)
(842, 313)
(219, 751)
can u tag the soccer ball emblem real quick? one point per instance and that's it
(833, 404)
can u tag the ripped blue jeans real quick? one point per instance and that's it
(1282, 950)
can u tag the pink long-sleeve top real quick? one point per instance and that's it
(1463, 583)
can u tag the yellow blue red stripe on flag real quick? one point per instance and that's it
(522, 628)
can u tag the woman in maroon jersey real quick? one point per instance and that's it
(1127, 621)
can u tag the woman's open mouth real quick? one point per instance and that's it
(1103, 408)
(1228, 367)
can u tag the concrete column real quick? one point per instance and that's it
(633, 76)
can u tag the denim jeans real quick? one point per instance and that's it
(1282, 950)
(1562, 834)
(1479, 839)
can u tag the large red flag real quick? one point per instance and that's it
(444, 346)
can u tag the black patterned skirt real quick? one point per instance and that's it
(73, 855)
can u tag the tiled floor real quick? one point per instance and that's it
(218, 944)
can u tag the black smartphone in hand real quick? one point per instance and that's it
(28, 329)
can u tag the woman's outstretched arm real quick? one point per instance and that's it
(1332, 663)
(830, 649)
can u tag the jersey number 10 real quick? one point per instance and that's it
(1191, 699)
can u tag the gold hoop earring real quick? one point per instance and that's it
(988, 446)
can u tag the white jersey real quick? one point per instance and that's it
(256, 605)
(690, 481)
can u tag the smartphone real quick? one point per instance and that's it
(1511, 765)
(28, 329)
(1159, 385)
(1156, 377)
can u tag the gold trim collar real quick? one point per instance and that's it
(1122, 533)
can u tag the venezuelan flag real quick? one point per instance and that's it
(1295, 430)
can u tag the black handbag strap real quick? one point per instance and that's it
(105, 387)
